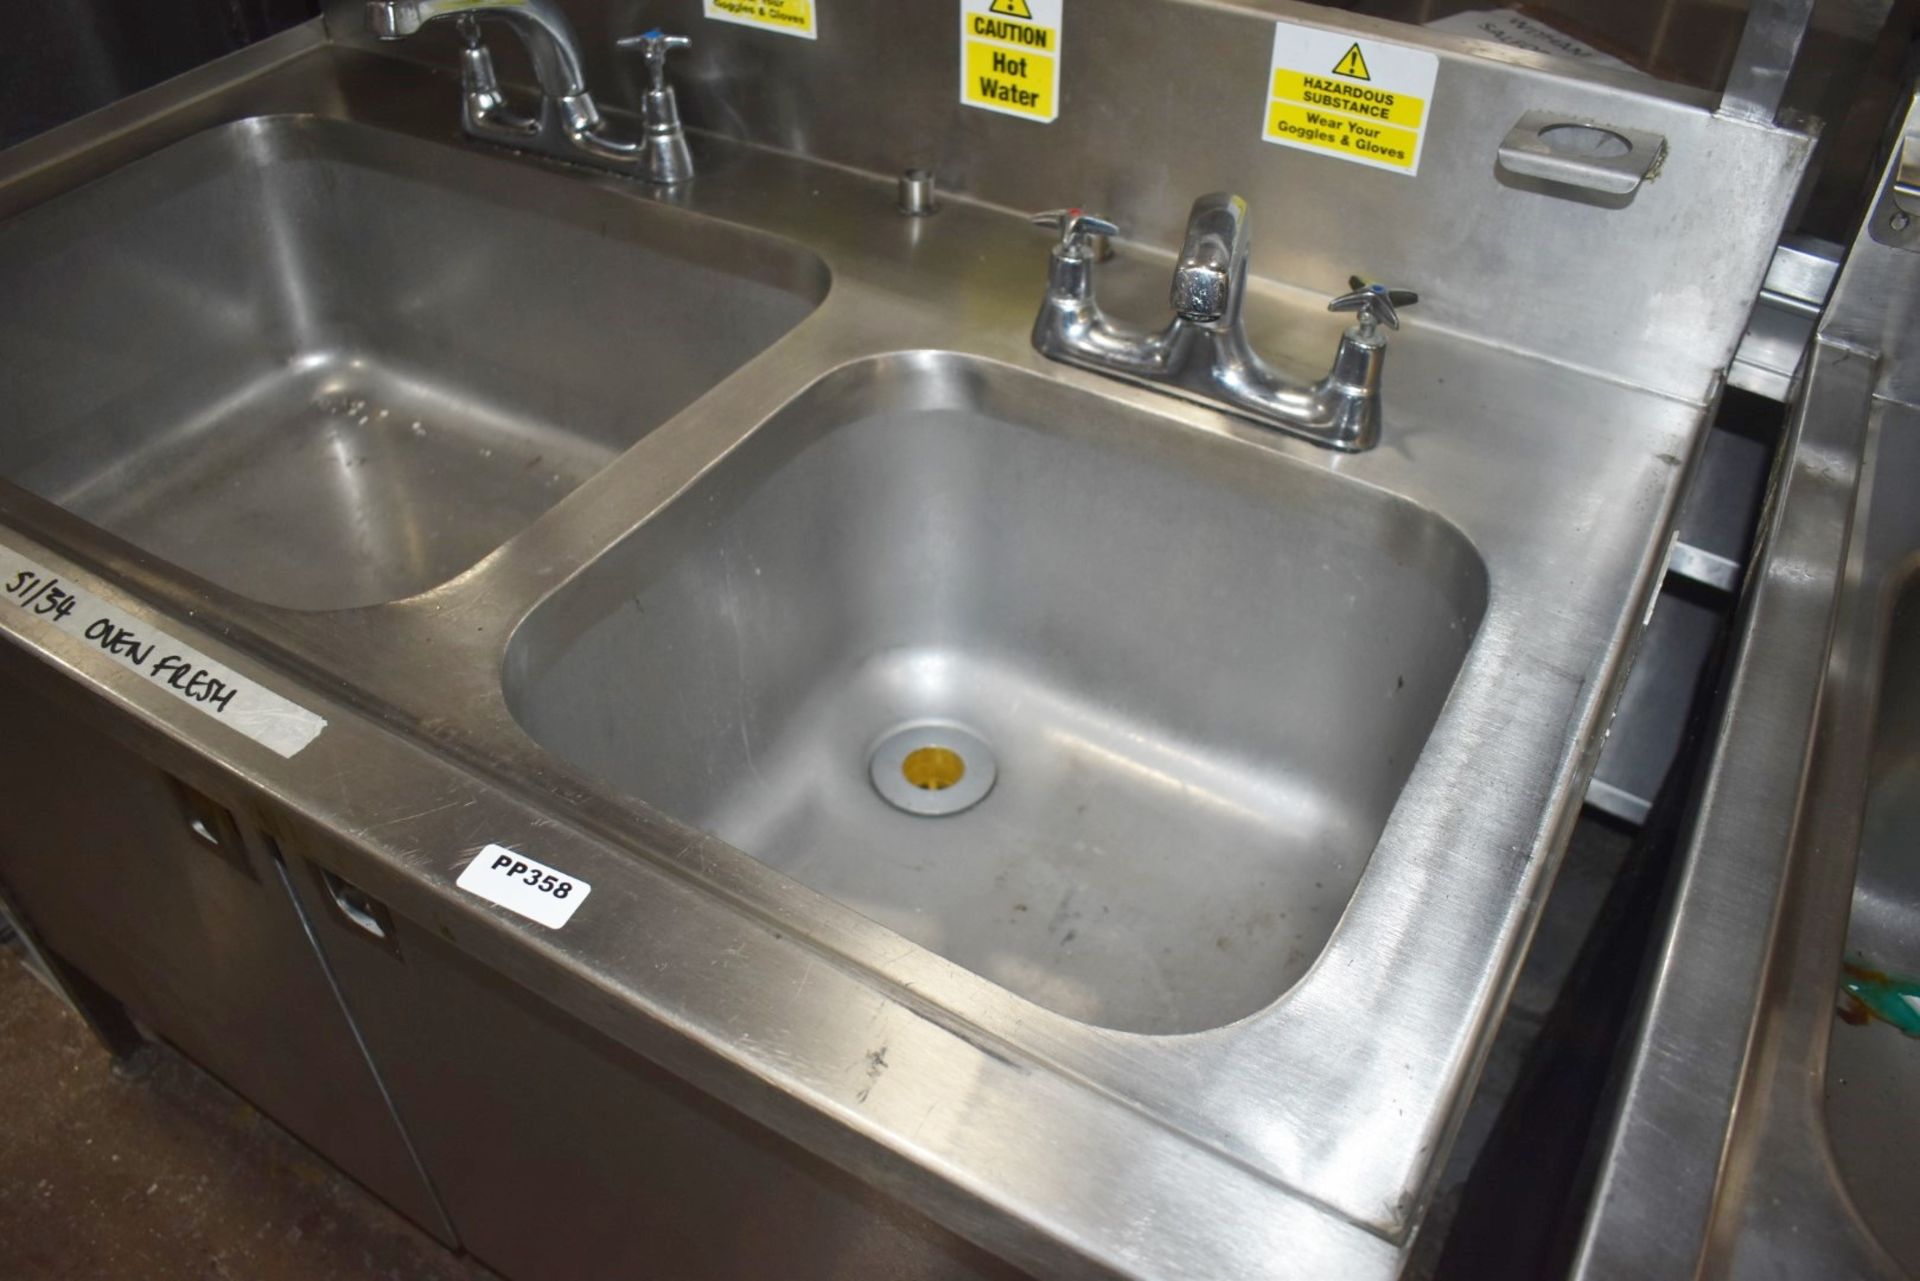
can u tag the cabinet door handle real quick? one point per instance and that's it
(362, 910)
(211, 825)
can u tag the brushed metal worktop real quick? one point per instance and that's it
(1298, 1141)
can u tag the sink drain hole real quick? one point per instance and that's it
(932, 768)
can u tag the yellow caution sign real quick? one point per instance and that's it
(790, 17)
(1010, 56)
(1330, 131)
(1365, 101)
(1352, 99)
(1353, 64)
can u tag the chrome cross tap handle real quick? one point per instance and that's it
(668, 161)
(1377, 304)
(654, 46)
(1077, 229)
(1071, 327)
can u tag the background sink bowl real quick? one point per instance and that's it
(325, 366)
(1873, 1071)
(1199, 672)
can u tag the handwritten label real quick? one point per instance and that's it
(789, 17)
(1010, 56)
(1361, 100)
(513, 881)
(149, 652)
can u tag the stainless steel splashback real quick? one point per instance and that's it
(1163, 99)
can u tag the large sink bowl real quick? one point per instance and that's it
(1196, 672)
(324, 366)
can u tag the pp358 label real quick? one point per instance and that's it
(520, 884)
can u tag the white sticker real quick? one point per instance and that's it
(1361, 100)
(519, 884)
(145, 649)
(789, 17)
(1517, 31)
(1010, 56)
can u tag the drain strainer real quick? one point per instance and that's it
(932, 768)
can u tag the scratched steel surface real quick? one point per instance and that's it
(1067, 1147)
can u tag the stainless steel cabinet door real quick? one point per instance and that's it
(562, 1156)
(154, 889)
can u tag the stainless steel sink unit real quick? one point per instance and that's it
(1033, 824)
(1145, 637)
(323, 366)
(1767, 1123)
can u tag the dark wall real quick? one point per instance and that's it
(62, 58)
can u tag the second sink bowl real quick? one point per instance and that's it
(326, 366)
(1873, 1070)
(1108, 710)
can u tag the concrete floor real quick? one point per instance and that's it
(171, 1177)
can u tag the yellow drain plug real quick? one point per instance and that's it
(933, 769)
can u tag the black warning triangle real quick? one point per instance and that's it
(1352, 64)
(1011, 9)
